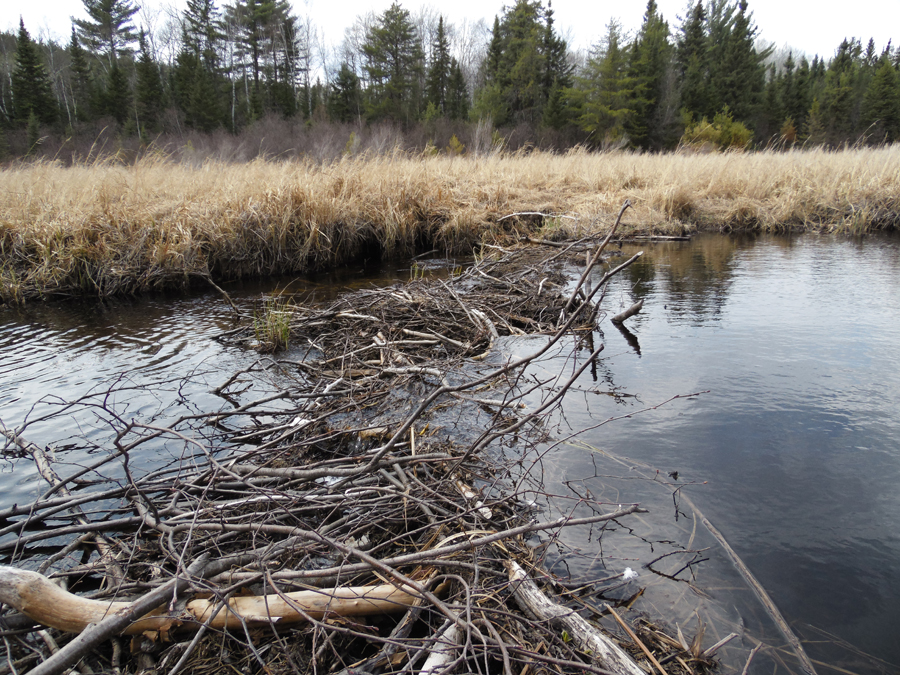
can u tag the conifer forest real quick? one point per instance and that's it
(216, 75)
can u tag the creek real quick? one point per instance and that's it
(793, 454)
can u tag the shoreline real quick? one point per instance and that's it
(108, 229)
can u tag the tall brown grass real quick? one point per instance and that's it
(108, 228)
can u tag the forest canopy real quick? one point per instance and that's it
(704, 80)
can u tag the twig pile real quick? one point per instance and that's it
(347, 476)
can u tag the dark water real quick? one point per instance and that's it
(797, 441)
(794, 454)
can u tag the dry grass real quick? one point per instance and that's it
(107, 228)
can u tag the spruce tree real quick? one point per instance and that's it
(839, 104)
(457, 93)
(605, 94)
(881, 104)
(31, 90)
(692, 59)
(80, 79)
(557, 70)
(345, 102)
(108, 30)
(650, 60)
(739, 73)
(117, 97)
(439, 70)
(148, 89)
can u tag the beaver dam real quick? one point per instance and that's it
(373, 513)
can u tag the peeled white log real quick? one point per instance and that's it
(443, 652)
(602, 649)
(628, 313)
(43, 601)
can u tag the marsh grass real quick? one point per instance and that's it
(108, 228)
(272, 324)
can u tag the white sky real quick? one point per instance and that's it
(812, 27)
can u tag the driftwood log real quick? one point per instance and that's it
(607, 653)
(41, 600)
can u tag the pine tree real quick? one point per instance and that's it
(202, 31)
(109, 29)
(31, 90)
(393, 62)
(439, 70)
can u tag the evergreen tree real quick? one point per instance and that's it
(606, 93)
(737, 70)
(526, 60)
(345, 100)
(557, 70)
(649, 62)
(80, 80)
(881, 104)
(202, 32)
(393, 62)
(439, 70)
(117, 97)
(148, 89)
(839, 104)
(31, 90)
(692, 60)
(265, 33)
(109, 29)
(457, 93)
(523, 61)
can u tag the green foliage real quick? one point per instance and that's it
(31, 91)
(272, 325)
(393, 63)
(345, 99)
(650, 55)
(148, 94)
(109, 29)
(117, 97)
(725, 133)
(457, 93)
(526, 59)
(438, 83)
(33, 134)
(603, 102)
(881, 103)
(454, 147)
(692, 63)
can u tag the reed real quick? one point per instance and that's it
(108, 228)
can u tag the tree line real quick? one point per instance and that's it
(705, 81)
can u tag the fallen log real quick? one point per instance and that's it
(628, 313)
(588, 638)
(41, 600)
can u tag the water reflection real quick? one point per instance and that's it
(799, 437)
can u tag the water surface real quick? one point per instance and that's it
(794, 452)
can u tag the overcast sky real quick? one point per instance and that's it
(811, 27)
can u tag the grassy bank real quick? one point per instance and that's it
(106, 229)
